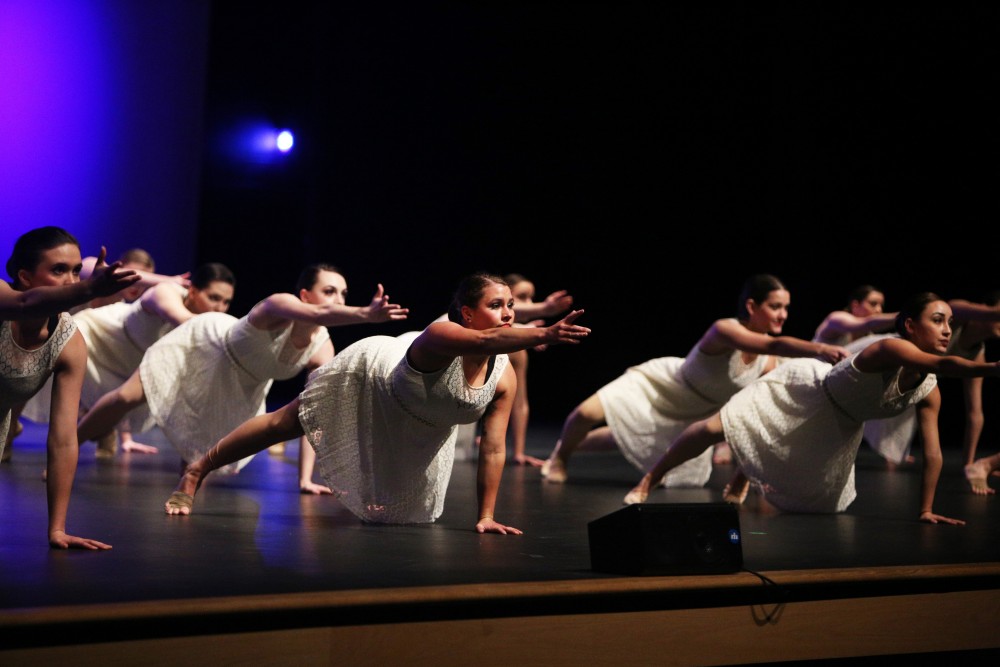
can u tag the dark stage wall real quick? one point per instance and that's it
(647, 157)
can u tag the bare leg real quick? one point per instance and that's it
(16, 427)
(520, 411)
(695, 439)
(307, 463)
(250, 437)
(575, 430)
(111, 409)
(737, 488)
(978, 472)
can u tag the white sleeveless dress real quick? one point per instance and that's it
(649, 405)
(117, 335)
(23, 373)
(384, 433)
(892, 437)
(796, 431)
(212, 373)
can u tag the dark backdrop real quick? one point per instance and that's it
(646, 156)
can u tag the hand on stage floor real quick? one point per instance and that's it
(59, 539)
(931, 517)
(488, 525)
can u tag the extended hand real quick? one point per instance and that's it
(107, 279)
(380, 310)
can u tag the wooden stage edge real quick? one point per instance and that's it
(739, 618)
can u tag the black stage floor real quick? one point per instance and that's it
(254, 534)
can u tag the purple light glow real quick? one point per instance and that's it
(101, 105)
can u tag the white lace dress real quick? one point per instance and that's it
(212, 373)
(796, 431)
(649, 405)
(23, 373)
(893, 437)
(384, 433)
(117, 335)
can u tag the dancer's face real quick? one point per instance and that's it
(870, 305)
(56, 267)
(330, 287)
(931, 332)
(214, 298)
(769, 316)
(495, 309)
(523, 292)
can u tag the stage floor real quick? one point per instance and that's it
(255, 534)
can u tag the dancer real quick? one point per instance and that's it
(530, 313)
(973, 324)
(796, 431)
(383, 414)
(38, 338)
(210, 374)
(142, 263)
(862, 316)
(118, 334)
(527, 312)
(650, 404)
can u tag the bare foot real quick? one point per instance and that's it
(554, 470)
(525, 460)
(735, 492)
(277, 450)
(107, 445)
(311, 488)
(129, 445)
(977, 473)
(182, 499)
(722, 454)
(639, 493)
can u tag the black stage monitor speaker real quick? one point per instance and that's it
(667, 539)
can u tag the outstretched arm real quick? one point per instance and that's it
(841, 322)
(441, 342)
(166, 301)
(727, 334)
(554, 304)
(277, 309)
(46, 301)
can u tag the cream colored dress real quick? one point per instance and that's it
(212, 373)
(893, 437)
(384, 433)
(649, 405)
(23, 373)
(796, 431)
(117, 335)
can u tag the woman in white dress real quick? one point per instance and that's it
(213, 372)
(118, 334)
(973, 324)
(38, 339)
(795, 432)
(383, 415)
(650, 404)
